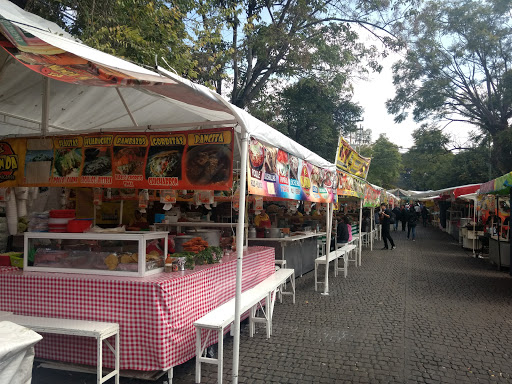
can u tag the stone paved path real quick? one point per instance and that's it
(426, 312)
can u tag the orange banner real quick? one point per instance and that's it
(200, 160)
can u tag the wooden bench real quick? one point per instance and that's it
(99, 330)
(221, 317)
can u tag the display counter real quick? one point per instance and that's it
(120, 254)
(299, 251)
(496, 250)
(155, 313)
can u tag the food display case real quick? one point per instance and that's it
(119, 254)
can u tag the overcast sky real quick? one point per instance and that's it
(372, 95)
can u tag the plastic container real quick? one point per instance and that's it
(62, 213)
(5, 260)
(159, 217)
(79, 225)
(16, 259)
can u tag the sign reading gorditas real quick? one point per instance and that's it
(348, 160)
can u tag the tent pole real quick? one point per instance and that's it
(497, 216)
(509, 238)
(372, 227)
(126, 107)
(240, 229)
(328, 246)
(46, 106)
(474, 225)
(360, 225)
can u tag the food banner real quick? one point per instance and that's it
(12, 159)
(60, 65)
(349, 185)
(195, 160)
(348, 160)
(371, 197)
(273, 172)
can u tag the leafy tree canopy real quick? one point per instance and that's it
(386, 162)
(313, 113)
(458, 68)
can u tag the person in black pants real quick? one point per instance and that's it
(385, 215)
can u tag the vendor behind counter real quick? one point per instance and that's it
(138, 222)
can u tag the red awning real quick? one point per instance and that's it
(465, 190)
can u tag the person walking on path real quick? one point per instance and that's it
(385, 215)
(397, 213)
(411, 225)
(403, 216)
(424, 215)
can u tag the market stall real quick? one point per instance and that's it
(154, 313)
(96, 107)
(496, 213)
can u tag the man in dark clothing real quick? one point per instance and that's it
(342, 234)
(404, 216)
(411, 225)
(424, 215)
(397, 213)
(385, 215)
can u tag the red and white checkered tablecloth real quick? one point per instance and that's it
(155, 313)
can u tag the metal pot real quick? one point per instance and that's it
(273, 233)
(212, 236)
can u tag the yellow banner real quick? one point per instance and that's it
(12, 161)
(348, 160)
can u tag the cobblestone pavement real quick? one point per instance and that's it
(426, 312)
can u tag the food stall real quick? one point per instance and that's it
(97, 108)
(496, 213)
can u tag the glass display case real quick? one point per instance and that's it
(120, 254)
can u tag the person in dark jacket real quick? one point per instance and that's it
(385, 215)
(342, 234)
(397, 213)
(424, 215)
(404, 216)
(411, 225)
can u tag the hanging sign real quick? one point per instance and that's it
(196, 160)
(273, 172)
(348, 160)
(371, 197)
(12, 159)
(349, 185)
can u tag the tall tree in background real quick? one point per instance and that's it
(291, 39)
(458, 68)
(386, 162)
(427, 165)
(314, 113)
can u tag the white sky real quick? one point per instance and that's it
(372, 95)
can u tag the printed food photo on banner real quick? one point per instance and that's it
(129, 158)
(283, 167)
(97, 162)
(294, 167)
(67, 160)
(38, 161)
(164, 162)
(209, 159)
(256, 154)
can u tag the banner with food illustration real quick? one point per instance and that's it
(12, 159)
(371, 197)
(349, 185)
(348, 160)
(273, 172)
(196, 160)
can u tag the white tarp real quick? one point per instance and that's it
(16, 353)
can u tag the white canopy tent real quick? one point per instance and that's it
(32, 104)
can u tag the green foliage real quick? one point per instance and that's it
(258, 41)
(457, 68)
(312, 113)
(386, 162)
